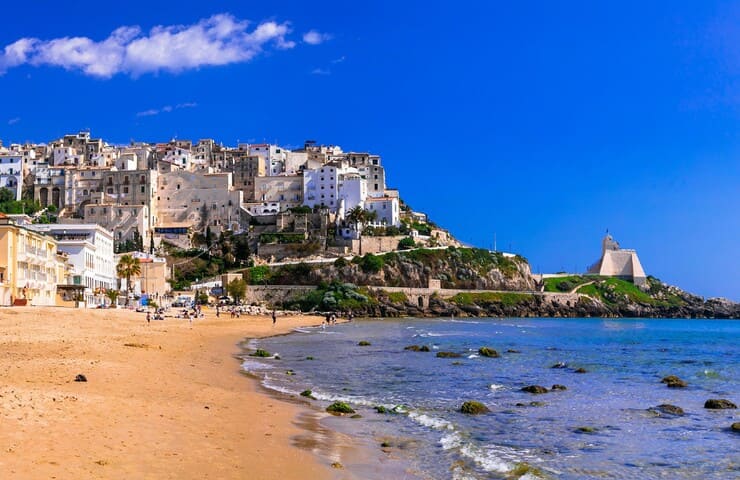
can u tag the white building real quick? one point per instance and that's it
(321, 187)
(351, 190)
(386, 208)
(89, 248)
(66, 156)
(275, 157)
(11, 172)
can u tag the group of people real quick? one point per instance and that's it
(331, 319)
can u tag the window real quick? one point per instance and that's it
(376, 186)
(125, 189)
(110, 191)
(84, 192)
(376, 177)
(178, 186)
(125, 179)
(143, 188)
(142, 179)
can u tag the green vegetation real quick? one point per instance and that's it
(504, 298)
(300, 209)
(371, 263)
(334, 296)
(260, 353)
(227, 252)
(308, 394)
(8, 203)
(566, 284)
(339, 408)
(236, 289)
(615, 291)
(282, 238)
(397, 297)
(406, 243)
(258, 275)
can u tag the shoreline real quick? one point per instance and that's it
(157, 402)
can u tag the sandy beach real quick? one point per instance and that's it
(164, 400)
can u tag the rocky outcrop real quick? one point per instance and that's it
(674, 382)
(719, 404)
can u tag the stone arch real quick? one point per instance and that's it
(44, 196)
(420, 301)
(56, 197)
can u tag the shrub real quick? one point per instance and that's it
(371, 263)
(341, 262)
(406, 243)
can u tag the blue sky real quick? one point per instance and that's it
(542, 123)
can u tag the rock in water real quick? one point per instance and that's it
(473, 408)
(735, 427)
(674, 382)
(560, 365)
(668, 409)
(719, 404)
(559, 387)
(537, 389)
(80, 378)
(339, 408)
(488, 352)
(448, 355)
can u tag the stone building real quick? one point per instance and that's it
(618, 262)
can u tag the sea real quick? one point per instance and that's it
(603, 425)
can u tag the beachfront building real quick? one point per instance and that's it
(153, 281)
(618, 262)
(29, 265)
(89, 250)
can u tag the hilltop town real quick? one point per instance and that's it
(75, 204)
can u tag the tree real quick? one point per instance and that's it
(209, 238)
(151, 244)
(128, 267)
(356, 216)
(236, 289)
(112, 295)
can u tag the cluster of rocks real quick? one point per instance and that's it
(537, 305)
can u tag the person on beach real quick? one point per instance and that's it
(148, 318)
(274, 317)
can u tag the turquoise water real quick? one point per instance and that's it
(625, 361)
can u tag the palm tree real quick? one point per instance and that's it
(128, 267)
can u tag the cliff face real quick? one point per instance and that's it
(477, 269)
(463, 268)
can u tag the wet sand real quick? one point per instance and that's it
(164, 400)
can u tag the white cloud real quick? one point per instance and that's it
(13, 121)
(320, 71)
(312, 37)
(339, 60)
(165, 109)
(219, 40)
